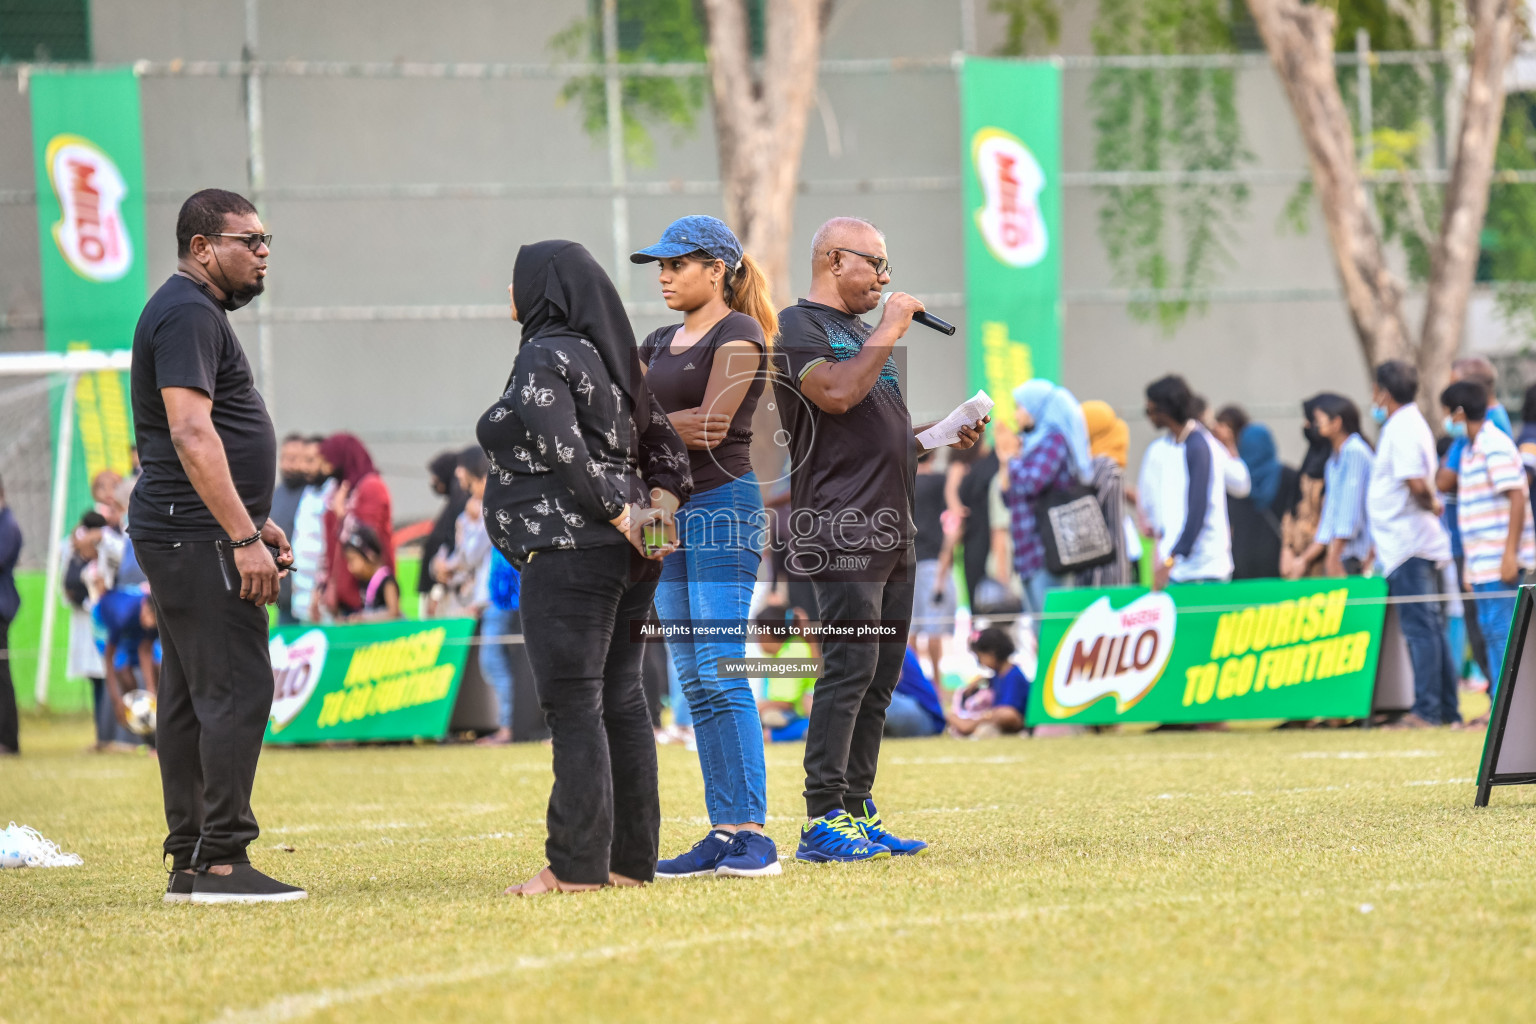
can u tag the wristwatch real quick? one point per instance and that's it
(1168, 562)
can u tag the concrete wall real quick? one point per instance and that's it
(412, 388)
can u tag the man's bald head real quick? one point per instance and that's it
(848, 269)
(841, 232)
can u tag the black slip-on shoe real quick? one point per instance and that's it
(244, 884)
(178, 888)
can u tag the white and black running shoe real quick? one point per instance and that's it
(178, 888)
(244, 884)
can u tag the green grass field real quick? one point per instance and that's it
(1244, 876)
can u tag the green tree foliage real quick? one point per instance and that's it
(649, 30)
(1160, 237)
(1157, 237)
(1033, 26)
(1509, 232)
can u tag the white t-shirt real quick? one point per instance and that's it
(1235, 474)
(1210, 556)
(308, 543)
(1161, 458)
(1400, 528)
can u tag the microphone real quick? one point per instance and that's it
(927, 319)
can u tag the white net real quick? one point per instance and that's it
(26, 458)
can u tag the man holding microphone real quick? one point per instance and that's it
(853, 462)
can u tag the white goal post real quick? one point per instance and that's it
(70, 365)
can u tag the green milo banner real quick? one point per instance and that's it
(90, 216)
(1210, 652)
(371, 681)
(1011, 136)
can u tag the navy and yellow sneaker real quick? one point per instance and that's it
(836, 838)
(752, 855)
(702, 860)
(871, 826)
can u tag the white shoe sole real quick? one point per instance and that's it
(764, 872)
(177, 897)
(207, 898)
(690, 874)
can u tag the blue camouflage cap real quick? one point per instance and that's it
(694, 234)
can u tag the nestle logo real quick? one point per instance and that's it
(1140, 618)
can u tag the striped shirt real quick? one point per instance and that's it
(1490, 470)
(1346, 479)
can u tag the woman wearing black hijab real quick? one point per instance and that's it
(578, 448)
(446, 485)
(1299, 527)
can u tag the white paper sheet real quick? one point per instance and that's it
(947, 430)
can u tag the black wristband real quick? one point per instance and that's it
(252, 539)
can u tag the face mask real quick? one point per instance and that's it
(233, 299)
(1379, 414)
(1455, 429)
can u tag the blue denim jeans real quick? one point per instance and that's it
(710, 577)
(681, 716)
(1494, 614)
(906, 718)
(1423, 625)
(496, 660)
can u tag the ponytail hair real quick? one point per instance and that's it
(747, 291)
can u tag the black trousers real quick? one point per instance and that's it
(214, 700)
(604, 810)
(842, 742)
(9, 726)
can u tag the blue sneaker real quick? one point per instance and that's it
(752, 855)
(836, 838)
(870, 825)
(702, 860)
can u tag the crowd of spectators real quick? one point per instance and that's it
(1211, 501)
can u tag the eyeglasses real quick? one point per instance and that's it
(880, 263)
(252, 241)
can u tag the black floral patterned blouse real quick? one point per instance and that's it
(567, 451)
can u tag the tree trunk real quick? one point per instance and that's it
(1299, 39)
(1453, 260)
(760, 121)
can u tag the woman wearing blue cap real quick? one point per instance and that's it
(707, 373)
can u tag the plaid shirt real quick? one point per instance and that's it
(1030, 477)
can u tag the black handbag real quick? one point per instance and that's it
(1072, 528)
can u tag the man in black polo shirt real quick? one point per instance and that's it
(199, 523)
(853, 460)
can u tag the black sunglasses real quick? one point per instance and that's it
(252, 241)
(880, 263)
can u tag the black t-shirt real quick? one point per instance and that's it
(374, 597)
(679, 380)
(183, 340)
(851, 475)
(929, 519)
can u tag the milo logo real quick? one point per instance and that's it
(91, 235)
(1011, 182)
(1111, 652)
(296, 669)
